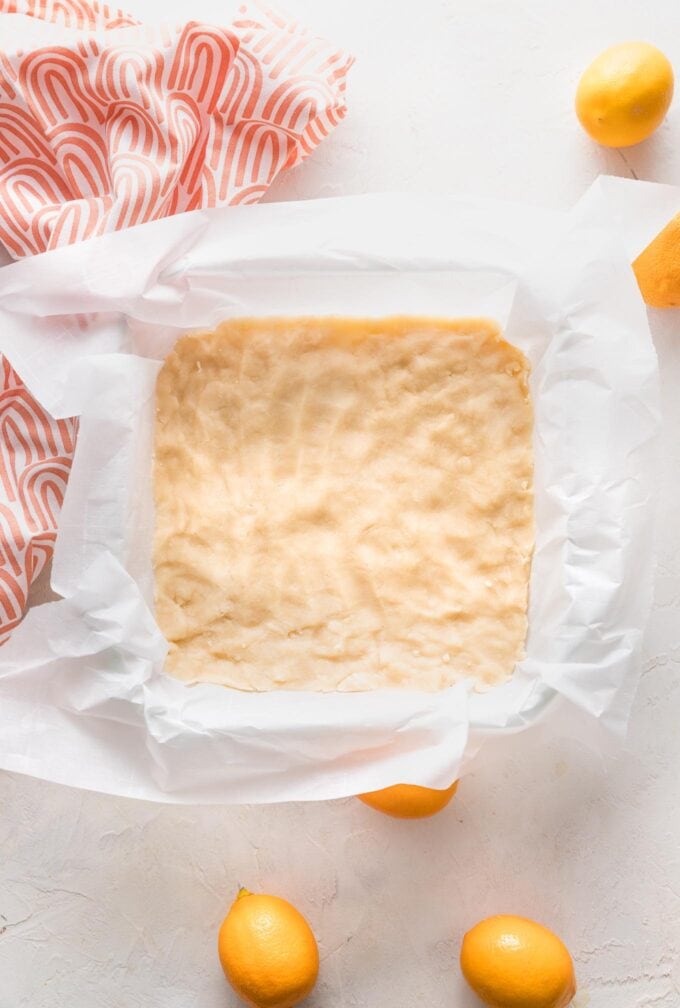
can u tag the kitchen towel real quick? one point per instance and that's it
(106, 123)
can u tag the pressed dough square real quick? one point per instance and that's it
(343, 504)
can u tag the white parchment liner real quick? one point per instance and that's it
(83, 699)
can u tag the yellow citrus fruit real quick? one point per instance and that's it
(512, 962)
(408, 801)
(268, 952)
(624, 94)
(658, 268)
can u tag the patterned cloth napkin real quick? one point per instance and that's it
(106, 123)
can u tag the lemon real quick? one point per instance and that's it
(409, 801)
(268, 952)
(658, 268)
(624, 94)
(512, 962)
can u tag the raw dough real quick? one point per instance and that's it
(343, 504)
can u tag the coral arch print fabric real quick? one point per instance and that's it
(108, 124)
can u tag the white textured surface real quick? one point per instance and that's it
(114, 903)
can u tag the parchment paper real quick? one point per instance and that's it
(83, 698)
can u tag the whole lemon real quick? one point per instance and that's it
(268, 952)
(512, 962)
(409, 801)
(624, 94)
